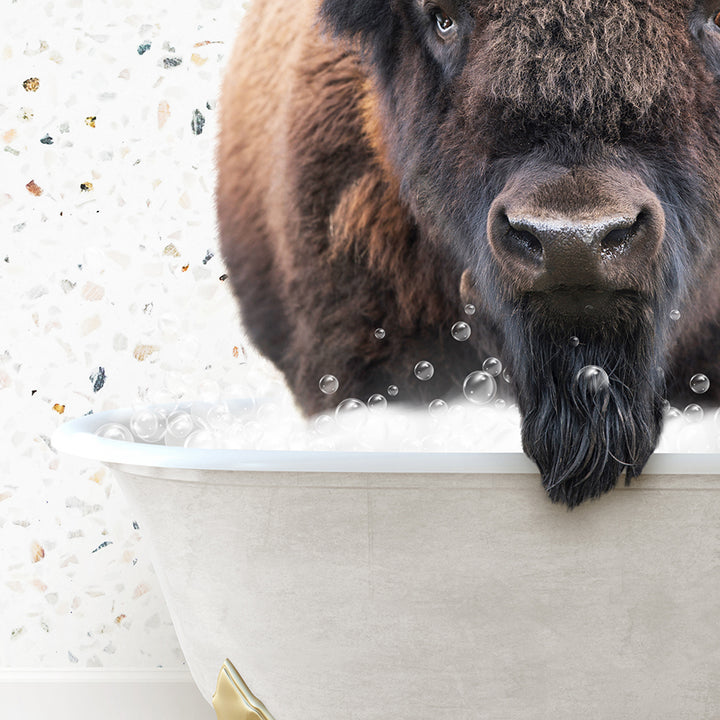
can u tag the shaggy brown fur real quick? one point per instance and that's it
(361, 161)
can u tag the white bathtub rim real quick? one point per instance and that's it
(77, 437)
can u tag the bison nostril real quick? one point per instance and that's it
(618, 239)
(519, 241)
(526, 243)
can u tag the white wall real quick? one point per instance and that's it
(116, 276)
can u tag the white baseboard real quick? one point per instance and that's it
(94, 693)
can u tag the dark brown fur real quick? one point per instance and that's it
(359, 158)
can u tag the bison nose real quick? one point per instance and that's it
(605, 246)
(568, 251)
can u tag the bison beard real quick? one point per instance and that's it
(581, 438)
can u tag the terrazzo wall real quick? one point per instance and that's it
(112, 293)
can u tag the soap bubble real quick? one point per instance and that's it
(460, 331)
(592, 379)
(199, 412)
(574, 341)
(392, 390)
(479, 387)
(351, 414)
(376, 402)
(506, 376)
(693, 413)
(379, 333)
(674, 314)
(219, 416)
(179, 425)
(500, 404)
(671, 413)
(323, 425)
(469, 309)
(165, 402)
(328, 384)
(114, 431)
(492, 366)
(424, 370)
(699, 383)
(146, 425)
(438, 408)
(204, 439)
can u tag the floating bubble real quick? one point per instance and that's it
(377, 402)
(323, 425)
(205, 439)
(693, 413)
(492, 366)
(199, 412)
(469, 309)
(392, 390)
(671, 413)
(479, 387)
(500, 404)
(145, 424)
(164, 401)
(461, 331)
(574, 341)
(219, 416)
(424, 370)
(328, 384)
(179, 425)
(351, 414)
(114, 431)
(592, 379)
(699, 383)
(438, 408)
(674, 314)
(506, 376)
(379, 333)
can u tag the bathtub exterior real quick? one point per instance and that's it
(448, 596)
(369, 595)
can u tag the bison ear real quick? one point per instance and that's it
(357, 18)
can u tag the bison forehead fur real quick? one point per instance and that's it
(555, 162)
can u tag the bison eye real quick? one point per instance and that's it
(445, 24)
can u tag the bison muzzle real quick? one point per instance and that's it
(556, 163)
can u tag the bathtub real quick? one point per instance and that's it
(419, 586)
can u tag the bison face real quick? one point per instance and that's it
(566, 155)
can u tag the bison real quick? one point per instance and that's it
(556, 163)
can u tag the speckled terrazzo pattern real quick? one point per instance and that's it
(112, 293)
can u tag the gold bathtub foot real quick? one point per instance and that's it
(233, 700)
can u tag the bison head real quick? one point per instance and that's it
(566, 156)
